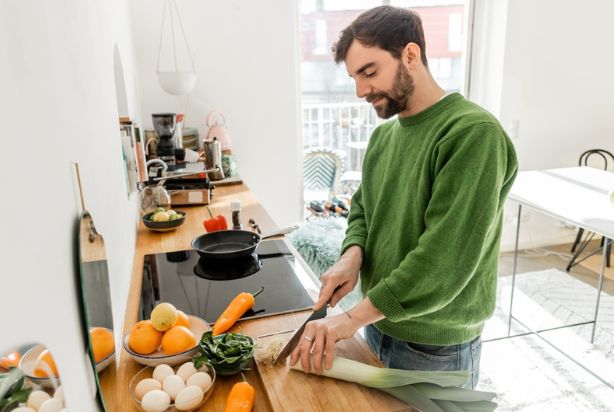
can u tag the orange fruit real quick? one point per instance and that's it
(144, 338)
(10, 360)
(102, 343)
(182, 319)
(177, 339)
(40, 371)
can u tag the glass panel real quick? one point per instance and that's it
(333, 116)
(444, 34)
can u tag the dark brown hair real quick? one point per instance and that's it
(389, 28)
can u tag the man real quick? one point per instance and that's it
(425, 224)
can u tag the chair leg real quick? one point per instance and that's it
(608, 252)
(578, 239)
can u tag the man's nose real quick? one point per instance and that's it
(362, 89)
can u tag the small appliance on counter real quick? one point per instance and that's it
(213, 158)
(190, 191)
(188, 186)
(164, 124)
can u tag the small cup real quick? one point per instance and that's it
(191, 156)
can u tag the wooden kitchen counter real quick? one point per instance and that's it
(277, 389)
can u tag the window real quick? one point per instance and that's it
(333, 116)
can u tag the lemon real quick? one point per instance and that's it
(160, 217)
(164, 316)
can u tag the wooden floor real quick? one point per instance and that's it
(587, 272)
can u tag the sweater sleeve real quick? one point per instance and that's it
(469, 171)
(356, 233)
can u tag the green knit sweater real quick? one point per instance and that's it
(428, 216)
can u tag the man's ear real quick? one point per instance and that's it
(411, 56)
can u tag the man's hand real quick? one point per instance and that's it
(320, 336)
(340, 279)
(319, 339)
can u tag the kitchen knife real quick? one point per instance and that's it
(294, 340)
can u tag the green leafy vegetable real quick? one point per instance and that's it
(12, 390)
(229, 352)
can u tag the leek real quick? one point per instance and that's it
(429, 391)
(374, 377)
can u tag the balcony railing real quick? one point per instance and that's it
(345, 127)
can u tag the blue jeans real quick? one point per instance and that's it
(400, 354)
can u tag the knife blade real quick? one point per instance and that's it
(294, 340)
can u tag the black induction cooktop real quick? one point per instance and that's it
(204, 288)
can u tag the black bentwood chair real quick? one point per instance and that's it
(583, 239)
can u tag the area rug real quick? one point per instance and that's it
(529, 374)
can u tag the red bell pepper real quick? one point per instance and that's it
(215, 223)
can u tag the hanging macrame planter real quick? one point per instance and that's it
(175, 82)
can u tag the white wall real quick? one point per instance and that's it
(556, 82)
(246, 56)
(57, 106)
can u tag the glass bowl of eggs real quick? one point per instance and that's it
(167, 388)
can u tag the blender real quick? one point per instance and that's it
(164, 124)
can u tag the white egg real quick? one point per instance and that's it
(161, 372)
(186, 370)
(173, 385)
(23, 409)
(145, 386)
(36, 399)
(51, 405)
(155, 401)
(189, 398)
(200, 379)
(59, 394)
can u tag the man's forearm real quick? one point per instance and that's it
(365, 313)
(353, 252)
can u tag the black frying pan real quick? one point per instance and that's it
(226, 244)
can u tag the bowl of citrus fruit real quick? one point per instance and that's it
(162, 220)
(168, 337)
(39, 366)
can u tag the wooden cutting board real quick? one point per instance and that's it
(286, 387)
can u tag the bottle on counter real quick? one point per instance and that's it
(235, 208)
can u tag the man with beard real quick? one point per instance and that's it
(425, 224)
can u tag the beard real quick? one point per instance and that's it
(398, 98)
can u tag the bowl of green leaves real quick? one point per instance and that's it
(13, 391)
(228, 353)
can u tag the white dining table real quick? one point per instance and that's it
(576, 195)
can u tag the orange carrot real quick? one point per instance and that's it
(239, 305)
(240, 398)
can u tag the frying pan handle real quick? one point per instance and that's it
(279, 232)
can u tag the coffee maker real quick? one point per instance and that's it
(164, 124)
